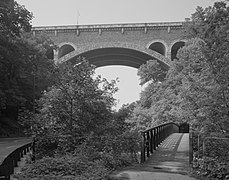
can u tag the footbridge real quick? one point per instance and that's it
(166, 153)
(116, 44)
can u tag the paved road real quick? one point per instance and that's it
(169, 162)
(8, 145)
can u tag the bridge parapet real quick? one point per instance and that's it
(94, 27)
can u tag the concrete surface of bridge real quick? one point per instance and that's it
(8, 145)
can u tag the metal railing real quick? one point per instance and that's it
(151, 138)
(11, 161)
(190, 147)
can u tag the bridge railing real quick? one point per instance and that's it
(151, 138)
(11, 161)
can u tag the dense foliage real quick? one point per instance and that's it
(75, 119)
(24, 65)
(212, 25)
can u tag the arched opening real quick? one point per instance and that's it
(128, 84)
(50, 53)
(175, 49)
(65, 49)
(158, 47)
(117, 56)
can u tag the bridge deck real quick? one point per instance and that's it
(8, 145)
(170, 161)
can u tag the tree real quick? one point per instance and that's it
(211, 25)
(14, 18)
(152, 70)
(75, 106)
(25, 67)
(195, 89)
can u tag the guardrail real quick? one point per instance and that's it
(11, 161)
(151, 138)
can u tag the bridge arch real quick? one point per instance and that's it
(159, 46)
(65, 48)
(104, 54)
(175, 46)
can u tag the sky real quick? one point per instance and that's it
(85, 12)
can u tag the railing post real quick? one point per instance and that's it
(151, 141)
(154, 139)
(190, 147)
(143, 147)
(10, 165)
(33, 149)
(158, 135)
(147, 143)
(163, 132)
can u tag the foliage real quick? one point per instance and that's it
(14, 18)
(65, 167)
(211, 25)
(125, 138)
(99, 150)
(212, 168)
(211, 93)
(152, 70)
(24, 65)
(75, 106)
(217, 148)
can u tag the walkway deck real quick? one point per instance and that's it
(8, 145)
(169, 162)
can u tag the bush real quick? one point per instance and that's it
(112, 162)
(66, 167)
(214, 163)
(46, 146)
(212, 168)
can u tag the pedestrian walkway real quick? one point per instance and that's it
(169, 162)
(8, 145)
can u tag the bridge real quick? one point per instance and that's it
(166, 153)
(116, 44)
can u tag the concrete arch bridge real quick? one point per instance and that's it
(116, 44)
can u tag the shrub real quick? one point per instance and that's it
(65, 167)
(214, 163)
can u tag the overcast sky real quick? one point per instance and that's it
(69, 12)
